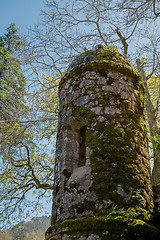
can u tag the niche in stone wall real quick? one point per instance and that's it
(78, 125)
(82, 146)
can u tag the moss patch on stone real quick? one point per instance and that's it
(106, 177)
(155, 218)
(111, 147)
(117, 143)
(102, 66)
(114, 228)
(108, 59)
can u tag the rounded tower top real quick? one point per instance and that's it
(100, 52)
(101, 59)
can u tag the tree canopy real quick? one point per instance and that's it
(28, 113)
(31, 230)
(12, 80)
(72, 27)
(26, 158)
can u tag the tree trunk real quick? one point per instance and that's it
(153, 126)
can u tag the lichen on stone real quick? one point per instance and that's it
(102, 174)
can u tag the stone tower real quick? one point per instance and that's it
(102, 170)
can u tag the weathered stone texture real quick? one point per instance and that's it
(102, 153)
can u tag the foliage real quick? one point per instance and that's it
(32, 230)
(127, 215)
(27, 145)
(28, 128)
(72, 27)
(114, 211)
(5, 235)
(12, 80)
(28, 161)
(77, 25)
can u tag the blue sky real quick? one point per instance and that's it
(24, 13)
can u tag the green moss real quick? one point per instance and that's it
(108, 52)
(74, 185)
(109, 59)
(155, 219)
(109, 147)
(114, 160)
(107, 228)
(83, 112)
(103, 66)
(53, 220)
(85, 205)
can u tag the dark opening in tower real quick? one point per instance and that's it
(82, 146)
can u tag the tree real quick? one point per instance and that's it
(4, 235)
(68, 28)
(74, 26)
(12, 85)
(12, 80)
(31, 230)
(145, 9)
(12, 90)
(28, 162)
(26, 159)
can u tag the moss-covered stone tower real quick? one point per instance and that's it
(102, 187)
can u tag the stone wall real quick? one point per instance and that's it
(102, 163)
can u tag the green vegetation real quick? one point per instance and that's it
(109, 58)
(110, 136)
(12, 80)
(25, 134)
(26, 125)
(32, 230)
(130, 216)
(116, 225)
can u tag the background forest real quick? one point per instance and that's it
(32, 230)
(30, 69)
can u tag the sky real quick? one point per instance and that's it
(24, 13)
